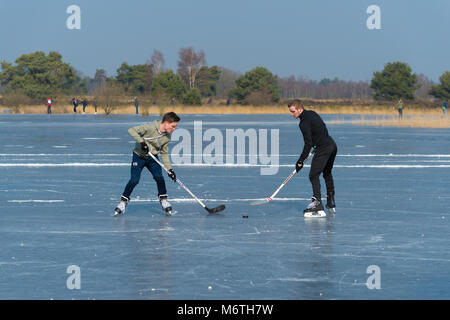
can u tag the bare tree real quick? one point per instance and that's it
(226, 82)
(331, 89)
(157, 61)
(189, 64)
(424, 87)
(99, 79)
(108, 96)
(15, 99)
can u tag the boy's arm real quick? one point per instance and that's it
(138, 132)
(165, 156)
(307, 138)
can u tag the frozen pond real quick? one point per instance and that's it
(62, 175)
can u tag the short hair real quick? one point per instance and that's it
(297, 103)
(170, 117)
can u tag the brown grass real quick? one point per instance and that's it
(181, 109)
(385, 115)
(413, 121)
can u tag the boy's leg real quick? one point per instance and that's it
(329, 182)
(327, 175)
(317, 166)
(156, 171)
(137, 165)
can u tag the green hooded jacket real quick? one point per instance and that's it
(156, 141)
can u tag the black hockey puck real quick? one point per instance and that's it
(245, 217)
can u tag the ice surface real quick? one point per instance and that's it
(62, 175)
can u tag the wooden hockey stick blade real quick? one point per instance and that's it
(216, 209)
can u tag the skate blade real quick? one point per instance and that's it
(168, 211)
(318, 214)
(117, 213)
(332, 210)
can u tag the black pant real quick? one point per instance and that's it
(322, 162)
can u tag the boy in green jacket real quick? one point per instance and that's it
(151, 137)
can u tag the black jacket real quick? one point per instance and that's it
(315, 133)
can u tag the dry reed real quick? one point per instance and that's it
(384, 115)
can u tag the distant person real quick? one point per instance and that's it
(136, 104)
(228, 102)
(85, 103)
(49, 106)
(444, 107)
(151, 137)
(95, 105)
(400, 109)
(75, 104)
(315, 135)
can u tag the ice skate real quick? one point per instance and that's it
(121, 206)
(166, 206)
(331, 205)
(314, 209)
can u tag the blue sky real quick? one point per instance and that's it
(312, 38)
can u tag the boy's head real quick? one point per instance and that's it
(169, 122)
(295, 107)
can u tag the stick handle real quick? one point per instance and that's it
(286, 180)
(179, 182)
(283, 184)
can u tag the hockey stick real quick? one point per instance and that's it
(210, 210)
(260, 202)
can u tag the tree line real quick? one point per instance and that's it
(36, 76)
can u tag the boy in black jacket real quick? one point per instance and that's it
(315, 135)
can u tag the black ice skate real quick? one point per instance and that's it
(331, 205)
(314, 209)
(166, 206)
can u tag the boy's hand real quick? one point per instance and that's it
(144, 147)
(172, 175)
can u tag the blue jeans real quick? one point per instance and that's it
(155, 169)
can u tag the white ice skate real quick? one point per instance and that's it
(121, 206)
(166, 206)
